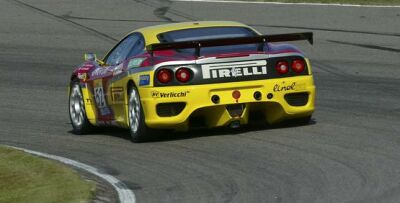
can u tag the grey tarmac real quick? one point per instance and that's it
(349, 153)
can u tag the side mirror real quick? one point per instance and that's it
(90, 57)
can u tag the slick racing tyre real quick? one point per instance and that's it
(138, 129)
(77, 112)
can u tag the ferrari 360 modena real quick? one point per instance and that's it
(187, 75)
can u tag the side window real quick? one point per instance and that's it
(138, 48)
(121, 51)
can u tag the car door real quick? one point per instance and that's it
(102, 76)
(117, 89)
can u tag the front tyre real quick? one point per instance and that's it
(77, 112)
(137, 126)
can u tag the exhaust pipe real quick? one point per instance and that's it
(215, 99)
(234, 124)
(257, 95)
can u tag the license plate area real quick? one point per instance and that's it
(235, 110)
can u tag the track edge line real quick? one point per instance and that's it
(125, 195)
(288, 3)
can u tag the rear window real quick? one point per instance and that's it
(196, 34)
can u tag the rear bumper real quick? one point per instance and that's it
(195, 102)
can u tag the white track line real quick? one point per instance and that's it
(125, 195)
(286, 3)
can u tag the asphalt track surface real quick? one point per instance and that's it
(350, 152)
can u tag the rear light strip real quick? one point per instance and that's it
(164, 76)
(297, 65)
(182, 75)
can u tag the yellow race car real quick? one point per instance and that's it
(193, 74)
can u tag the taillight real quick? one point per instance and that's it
(298, 65)
(183, 74)
(282, 67)
(164, 75)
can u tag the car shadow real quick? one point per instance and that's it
(168, 135)
(223, 131)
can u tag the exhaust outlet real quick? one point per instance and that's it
(234, 124)
(215, 99)
(257, 95)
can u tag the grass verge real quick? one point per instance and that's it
(358, 2)
(27, 178)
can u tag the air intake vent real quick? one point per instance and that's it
(297, 99)
(235, 110)
(170, 109)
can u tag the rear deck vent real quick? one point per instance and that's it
(235, 110)
(170, 109)
(297, 99)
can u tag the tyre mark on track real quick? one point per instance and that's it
(329, 30)
(255, 25)
(67, 16)
(362, 175)
(161, 11)
(330, 69)
(368, 46)
(277, 177)
(75, 24)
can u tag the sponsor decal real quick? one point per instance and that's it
(237, 69)
(99, 96)
(100, 99)
(118, 77)
(144, 80)
(89, 101)
(284, 87)
(99, 72)
(118, 69)
(156, 94)
(87, 66)
(136, 62)
(83, 76)
(117, 94)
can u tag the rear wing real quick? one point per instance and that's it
(230, 41)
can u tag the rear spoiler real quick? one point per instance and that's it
(230, 41)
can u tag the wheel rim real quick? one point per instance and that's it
(76, 107)
(134, 111)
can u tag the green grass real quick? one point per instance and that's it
(360, 2)
(27, 178)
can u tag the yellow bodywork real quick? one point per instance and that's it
(197, 98)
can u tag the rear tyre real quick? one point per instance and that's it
(138, 129)
(77, 112)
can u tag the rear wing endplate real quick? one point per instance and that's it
(230, 41)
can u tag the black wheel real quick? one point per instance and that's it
(138, 129)
(77, 112)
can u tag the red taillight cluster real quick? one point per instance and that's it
(282, 67)
(164, 75)
(297, 65)
(182, 75)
